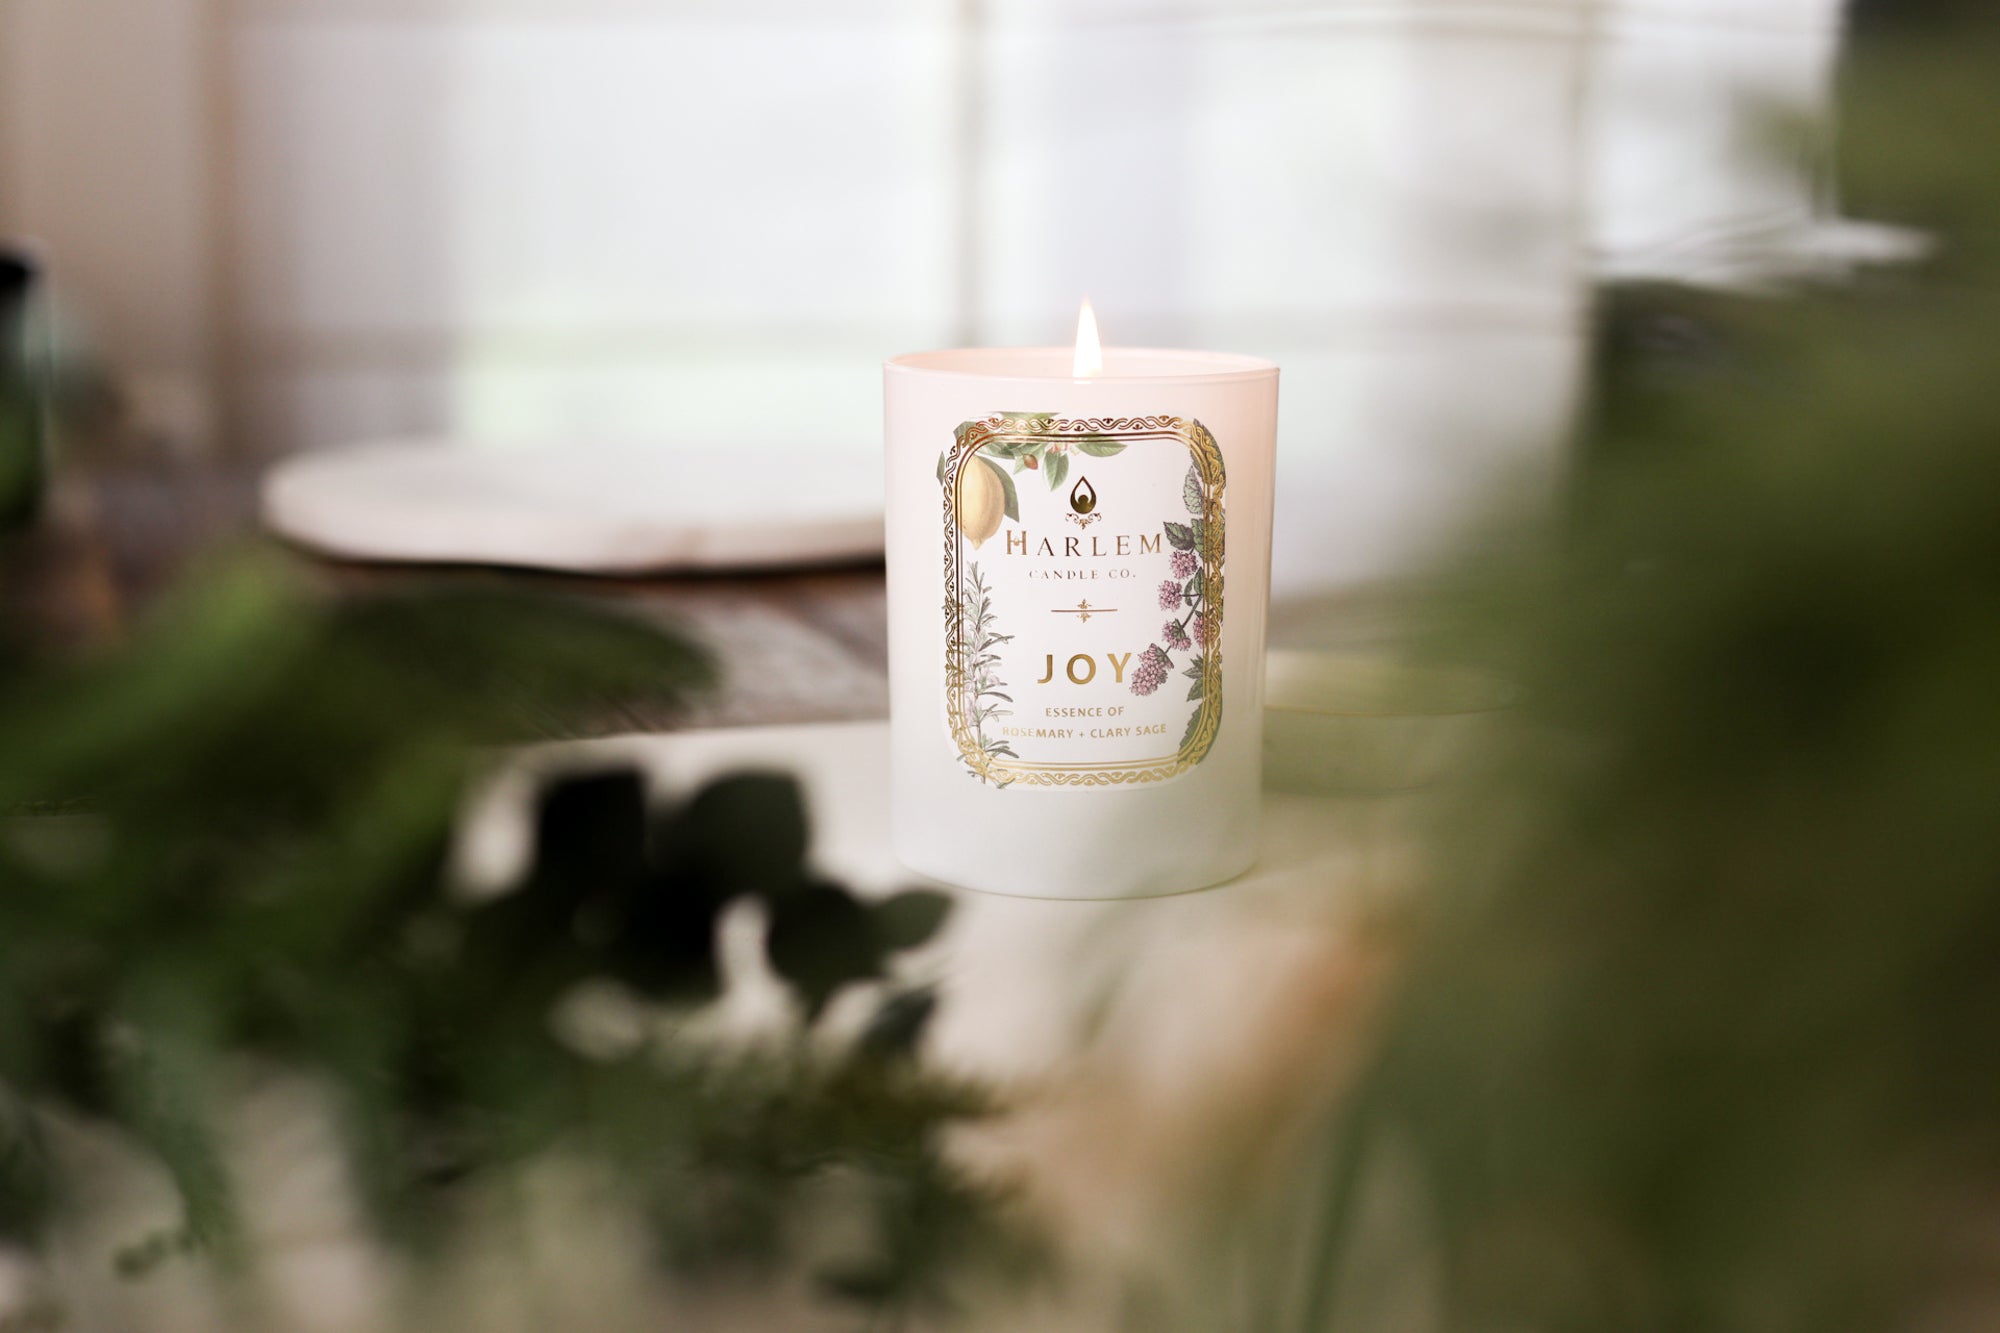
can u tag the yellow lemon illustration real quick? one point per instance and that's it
(982, 501)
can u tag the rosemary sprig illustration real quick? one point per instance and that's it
(985, 698)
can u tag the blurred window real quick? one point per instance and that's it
(705, 222)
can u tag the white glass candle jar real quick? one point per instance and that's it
(1079, 579)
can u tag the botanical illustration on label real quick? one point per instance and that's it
(1082, 598)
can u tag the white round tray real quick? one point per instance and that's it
(598, 508)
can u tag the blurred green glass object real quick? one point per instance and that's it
(24, 413)
(1357, 724)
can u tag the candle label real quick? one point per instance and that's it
(1082, 598)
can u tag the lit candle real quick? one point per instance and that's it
(1079, 545)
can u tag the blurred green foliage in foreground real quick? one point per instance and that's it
(1700, 1032)
(228, 845)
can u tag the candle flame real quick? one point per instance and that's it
(1089, 352)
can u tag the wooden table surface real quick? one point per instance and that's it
(797, 646)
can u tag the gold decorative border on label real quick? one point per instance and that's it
(1207, 459)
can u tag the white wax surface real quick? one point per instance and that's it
(1121, 364)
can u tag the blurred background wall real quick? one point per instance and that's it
(296, 224)
(109, 158)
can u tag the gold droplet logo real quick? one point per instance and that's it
(1082, 498)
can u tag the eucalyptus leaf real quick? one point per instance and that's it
(909, 920)
(821, 940)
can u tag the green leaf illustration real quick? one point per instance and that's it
(1196, 690)
(940, 470)
(1191, 491)
(1193, 722)
(1181, 535)
(1007, 489)
(1057, 468)
(1100, 446)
